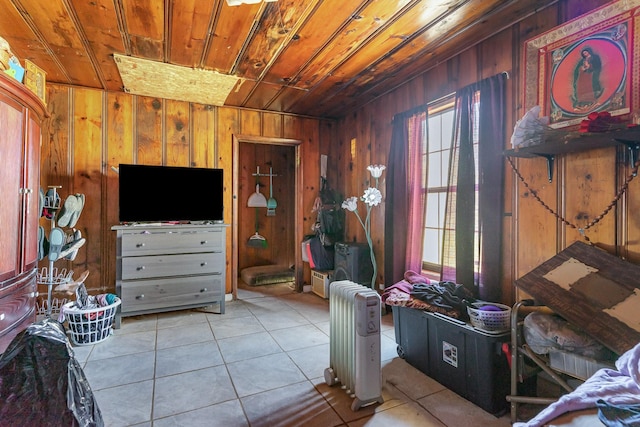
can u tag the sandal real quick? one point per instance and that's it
(78, 210)
(70, 250)
(68, 209)
(41, 240)
(56, 241)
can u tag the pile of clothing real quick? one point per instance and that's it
(419, 292)
(87, 323)
(615, 392)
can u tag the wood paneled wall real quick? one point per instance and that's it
(584, 184)
(89, 131)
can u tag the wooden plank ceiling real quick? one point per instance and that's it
(314, 57)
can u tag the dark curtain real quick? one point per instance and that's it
(469, 259)
(405, 195)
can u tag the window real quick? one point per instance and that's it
(436, 163)
(436, 166)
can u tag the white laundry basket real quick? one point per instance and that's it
(490, 321)
(90, 326)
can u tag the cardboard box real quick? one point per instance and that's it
(35, 79)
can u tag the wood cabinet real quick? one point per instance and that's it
(169, 267)
(21, 117)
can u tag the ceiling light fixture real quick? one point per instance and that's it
(239, 2)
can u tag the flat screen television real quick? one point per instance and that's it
(170, 193)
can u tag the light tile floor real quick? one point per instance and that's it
(260, 364)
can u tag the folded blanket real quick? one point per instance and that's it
(616, 387)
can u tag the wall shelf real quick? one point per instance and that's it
(573, 142)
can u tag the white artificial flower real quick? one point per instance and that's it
(376, 170)
(372, 196)
(350, 204)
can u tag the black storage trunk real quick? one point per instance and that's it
(470, 362)
(412, 336)
(464, 359)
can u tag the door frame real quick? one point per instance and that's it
(298, 211)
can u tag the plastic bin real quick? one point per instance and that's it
(90, 326)
(577, 366)
(411, 328)
(470, 362)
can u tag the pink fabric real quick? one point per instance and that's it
(621, 387)
(396, 297)
(402, 286)
(413, 278)
(416, 185)
(402, 213)
(397, 294)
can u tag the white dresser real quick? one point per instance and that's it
(169, 267)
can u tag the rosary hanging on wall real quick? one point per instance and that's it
(594, 221)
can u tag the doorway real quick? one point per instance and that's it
(279, 164)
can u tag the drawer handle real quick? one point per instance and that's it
(204, 290)
(140, 296)
(140, 245)
(204, 242)
(202, 264)
(142, 267)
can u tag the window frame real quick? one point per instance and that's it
(445, 104)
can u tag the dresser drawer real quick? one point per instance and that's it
(143, 267)
(145, 242)
(162, 293)
(170, 267)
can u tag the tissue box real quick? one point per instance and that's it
(35, 79)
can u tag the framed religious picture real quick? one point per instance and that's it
(585, 65)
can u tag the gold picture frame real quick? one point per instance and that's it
(35, 79)
(585, 65)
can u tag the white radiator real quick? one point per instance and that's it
(354, 342)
